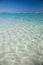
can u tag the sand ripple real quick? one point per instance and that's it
(21, 43)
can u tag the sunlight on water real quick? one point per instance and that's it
(21, 39)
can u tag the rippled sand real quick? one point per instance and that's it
(21, 43)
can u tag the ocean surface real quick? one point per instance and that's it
(21, 39)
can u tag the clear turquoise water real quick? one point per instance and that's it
(34, 17)
(21, 39)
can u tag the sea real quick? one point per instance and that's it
(21, 38)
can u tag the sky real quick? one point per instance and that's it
(21, 6)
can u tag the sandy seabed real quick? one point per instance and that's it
(21, 43)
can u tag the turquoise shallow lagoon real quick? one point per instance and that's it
(21, 39)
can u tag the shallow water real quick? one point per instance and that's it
(21, 39)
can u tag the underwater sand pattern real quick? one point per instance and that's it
(21, 43)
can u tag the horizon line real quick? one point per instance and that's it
(18, 12)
